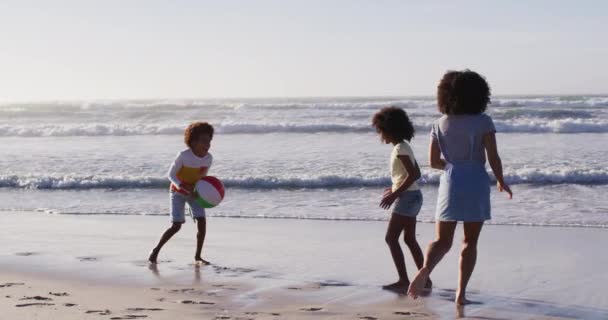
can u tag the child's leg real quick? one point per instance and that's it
(409, 236)
(468, 257)
(395, 226)
(437, 249)
(163, 239)
(178, 204)
(201, 224)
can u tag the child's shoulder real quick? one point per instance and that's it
(403, 148)
(185, 153)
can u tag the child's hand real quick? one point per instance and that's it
(187, 187)
(388, 199)
(504, 187)
(387, 191)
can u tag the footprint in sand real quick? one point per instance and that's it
(196, 302)
(145, 309)
(10, 284)
(409, 313)
(26, 254)
(222, 317)
(130, 316)
(39, 298)
(333, 283)
(87, 259)
(368, 318)
(34, 304)
(312, 309)
(70, 304)
(59, 294)
(99, 312)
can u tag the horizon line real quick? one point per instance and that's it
(21, 101)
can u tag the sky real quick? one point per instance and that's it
(178, 49)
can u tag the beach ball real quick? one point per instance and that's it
(209, 192)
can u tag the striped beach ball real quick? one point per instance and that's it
(209, 192)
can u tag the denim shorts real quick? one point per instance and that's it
(408, 204)
(178, 206)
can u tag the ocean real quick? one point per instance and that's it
(313, 158)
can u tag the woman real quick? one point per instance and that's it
(464, 135)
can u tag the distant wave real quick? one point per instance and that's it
(298, 103)
(519, 176)
(524, 125)
(553, 126)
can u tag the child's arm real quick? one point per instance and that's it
(435, 156)
(489, 142)
(173, 170)
(413, 174)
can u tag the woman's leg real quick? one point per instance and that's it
(395, 226)
(468, 257)
(435, 252)
(409, 236)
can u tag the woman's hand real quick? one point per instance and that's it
(504, 187)
(388, 198)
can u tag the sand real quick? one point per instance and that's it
(93, 267)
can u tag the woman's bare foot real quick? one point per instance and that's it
(199, 261)
(153, 256)
(461, 300)
(399, 286)
(417, 286)
(429, 284)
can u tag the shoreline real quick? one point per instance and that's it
(362, 220)
(290, 267)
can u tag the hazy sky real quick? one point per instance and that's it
(256, 48)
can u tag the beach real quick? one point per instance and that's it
(84, 198)
(285, 269)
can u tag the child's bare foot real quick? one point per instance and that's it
(399, 286)
(417, 286)
(199, 261)
(153, 256)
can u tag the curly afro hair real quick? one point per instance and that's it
(463, 92)
(195, 130)
(393, 121)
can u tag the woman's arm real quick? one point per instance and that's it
(435, 156)
(489, 142)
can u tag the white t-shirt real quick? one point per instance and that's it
(188, 168)
(398, 172)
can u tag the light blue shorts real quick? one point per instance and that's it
(178, 206)
(408, 204)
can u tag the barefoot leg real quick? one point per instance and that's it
(409, 236)
(468, 258)
(201, 224)
(163, 239)
(395, 226)
(437, 249)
